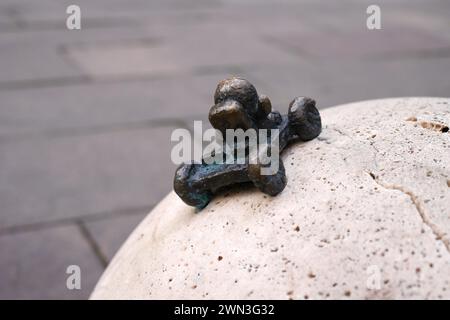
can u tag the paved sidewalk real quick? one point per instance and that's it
(86, 116)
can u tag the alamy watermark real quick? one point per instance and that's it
(239, 146)
(373, 21)
(73, 21)
(73, 281)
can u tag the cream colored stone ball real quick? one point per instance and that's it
(365, 215)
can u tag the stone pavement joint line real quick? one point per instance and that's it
(93, 243)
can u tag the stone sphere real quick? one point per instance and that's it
(365, 215)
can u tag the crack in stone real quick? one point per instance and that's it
(371, 144)
(342, 133)
(440, 235)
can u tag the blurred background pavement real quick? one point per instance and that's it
(86, 116)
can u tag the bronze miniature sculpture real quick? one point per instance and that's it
(238, 106)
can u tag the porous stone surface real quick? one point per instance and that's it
(365, 214)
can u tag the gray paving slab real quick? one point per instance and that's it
(55, 10)
(58, 38)
(111, 233)
(197, 48)
(363, 43)
(28, 62)
(33, 264)
(66, 177)
(104, 104)
(431, 18)
(335, 82)
(7, 20)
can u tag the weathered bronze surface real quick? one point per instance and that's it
(238, 105)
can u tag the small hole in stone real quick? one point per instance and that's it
(444, 129)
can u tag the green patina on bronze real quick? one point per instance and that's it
(238, 106)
